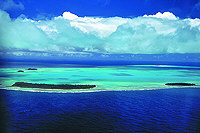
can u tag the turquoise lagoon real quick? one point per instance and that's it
(107, 78)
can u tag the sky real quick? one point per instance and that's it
(89, 27)
(102, 8)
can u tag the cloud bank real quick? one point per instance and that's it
(149, 34)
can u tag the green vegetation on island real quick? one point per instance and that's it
(20, 71)
(51, 86)
(180, 84)
(31, 69)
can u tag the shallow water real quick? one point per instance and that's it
(131, 77)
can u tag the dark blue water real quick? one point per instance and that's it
(168, 110)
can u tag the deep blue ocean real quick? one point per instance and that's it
(164, 110)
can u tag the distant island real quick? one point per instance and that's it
(180, 84)
(51, 86)
(31, 69)
(20, 71)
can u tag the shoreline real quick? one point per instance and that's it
(60, 91)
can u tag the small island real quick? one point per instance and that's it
(31, 69)
(20, 71)
(52, 86)
(180, 84)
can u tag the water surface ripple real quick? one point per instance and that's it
(166, 110)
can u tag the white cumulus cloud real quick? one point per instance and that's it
(165, 15)
(69, 16)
